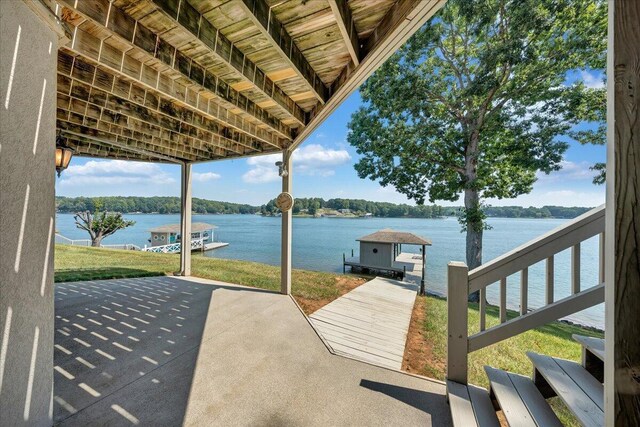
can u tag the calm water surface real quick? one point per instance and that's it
(318, 244)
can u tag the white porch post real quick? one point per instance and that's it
(622, 230)
(285, 256)
(185, 220)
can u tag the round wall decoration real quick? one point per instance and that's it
(284, 201)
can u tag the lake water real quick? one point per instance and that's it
(318, 244)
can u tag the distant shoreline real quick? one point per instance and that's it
(320, 217)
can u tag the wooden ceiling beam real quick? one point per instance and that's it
(106, 119)
(202, 32)
(347, 27)
(108, 139)
(103, 90)
(260, 14)
(132, 139)
(159, 64)
(401, 21)
(89, 148)
(105, 77)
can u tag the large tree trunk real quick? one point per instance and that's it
(474, 223)
(96, 241)
(474, 236)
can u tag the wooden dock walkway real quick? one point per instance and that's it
(370, 323)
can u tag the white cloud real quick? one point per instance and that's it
(561, 197)
(570, 171)
(313, 160)
(592, 80)
(205, 176)
(114, 172)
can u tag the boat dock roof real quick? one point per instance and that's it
(196, 227)
(391, 236)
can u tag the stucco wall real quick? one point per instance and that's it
(27, 214)
(382, 258)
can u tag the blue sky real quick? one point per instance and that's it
(323, 167)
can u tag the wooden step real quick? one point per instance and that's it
(579, 390)
(592, 355)
(470, 406)
(520, 400)
(593, 345)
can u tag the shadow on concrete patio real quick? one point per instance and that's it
(186, 351)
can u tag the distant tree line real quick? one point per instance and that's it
(391, 210)
(357, 206)
(311, 206)
(531, 212)
(162, 205)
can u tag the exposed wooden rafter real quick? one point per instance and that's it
(260, 13)
(134, 144)
(403, 19)
(198, 30)
(347, 28)
(148, 58)
(98, 149)
(86, 82)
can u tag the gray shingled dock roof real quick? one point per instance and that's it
(392, 236)
(196, 227)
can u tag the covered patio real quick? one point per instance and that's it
(187, 351)
(188, 81)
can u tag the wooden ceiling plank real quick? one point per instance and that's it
(402, 20)
(101, 137)
(88, 148)
(101, 91)
(202, 31)
(157, 127)
(347, 28)
(260, 13)
(148, 77)
(125, 30)
(84, 113)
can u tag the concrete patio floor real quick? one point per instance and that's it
(168, 351)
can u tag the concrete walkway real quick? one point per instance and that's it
(370, 323)
(167, 351)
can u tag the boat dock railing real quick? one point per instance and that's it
(174, 247)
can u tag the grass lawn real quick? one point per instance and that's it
(426, 351)
(311, 289)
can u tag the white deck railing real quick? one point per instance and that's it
(61, 240)
(174, 247)
(461, 283)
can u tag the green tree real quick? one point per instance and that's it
(100, 224)
(475, 101)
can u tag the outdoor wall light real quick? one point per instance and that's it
(282, 169)
(63, 155)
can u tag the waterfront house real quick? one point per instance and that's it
(192, 81)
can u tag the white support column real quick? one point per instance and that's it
(185, 220)
(285, 255)
(457, 322)
(622, 229)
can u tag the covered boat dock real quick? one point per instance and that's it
(382, 251)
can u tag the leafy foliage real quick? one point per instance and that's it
(475, 102)
(101, 224)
